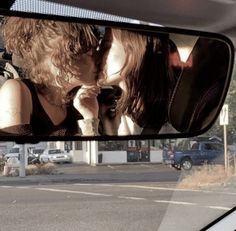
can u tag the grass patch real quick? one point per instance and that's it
(37, 169)
(206, 176)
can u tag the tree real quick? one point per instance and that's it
(231, 101)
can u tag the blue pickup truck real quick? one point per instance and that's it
(200, 152)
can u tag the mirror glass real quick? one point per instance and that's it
(68, 79)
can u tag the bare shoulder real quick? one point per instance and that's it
(14, 87)
(15, 91)
(15, 103)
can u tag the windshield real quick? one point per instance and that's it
(132, 185)
(38, 151)
(138, 184)
(213, 146)
(56, 151)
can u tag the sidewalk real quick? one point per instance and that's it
(85, 173)
(78, 173)
(37, 179)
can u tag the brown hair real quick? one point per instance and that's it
(33, 39)
(147, 78)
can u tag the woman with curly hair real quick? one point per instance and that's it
(139, 64)
(56, 93)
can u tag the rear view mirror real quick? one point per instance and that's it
(65, 78)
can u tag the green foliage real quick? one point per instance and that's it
(231, 101)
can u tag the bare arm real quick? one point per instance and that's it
(86, 103)
(15, 104)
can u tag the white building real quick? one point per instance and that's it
(102, 152)
(112, 152)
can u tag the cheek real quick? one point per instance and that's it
(115, 62)
(87, 71)
(87, 64)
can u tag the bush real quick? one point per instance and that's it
(31, 170)
(47, 169)
(205, 176)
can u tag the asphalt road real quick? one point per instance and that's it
(150, 202)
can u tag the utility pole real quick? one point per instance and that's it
(224, 121)
(92, 147)
(22, 161)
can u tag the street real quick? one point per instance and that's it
(139, 197)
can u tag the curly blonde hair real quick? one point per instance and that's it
(32, 40)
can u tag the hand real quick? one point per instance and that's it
(85, 101)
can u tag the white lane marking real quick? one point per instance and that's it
(175, 202)
(84, 184)
(164, 201)
(23, 187)
(147, 187)
(219, 208)
(192, 204)
(5, 186)
(120, 197)
(103, 185)
(159, 188)
(130, 186)
(131, 198)
(75, 192)
(15, 187)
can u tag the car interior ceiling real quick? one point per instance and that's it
(207, 15)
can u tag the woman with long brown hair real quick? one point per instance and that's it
(138, 64)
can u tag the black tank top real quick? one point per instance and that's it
(41, 123)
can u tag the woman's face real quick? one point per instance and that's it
(87, 70)
(86, 74)
(82, 69)
(113, 60)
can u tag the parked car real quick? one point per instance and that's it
(213, 15)
(201, 152)
(55, 155)
(13, 152)
(32, 158)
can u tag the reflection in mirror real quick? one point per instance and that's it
(71, 79)
(199, 90)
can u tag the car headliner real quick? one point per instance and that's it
(208, 15)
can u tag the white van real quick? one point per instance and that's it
(13, 152)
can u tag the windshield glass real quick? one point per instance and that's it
(38, 151)
(56, 151)
(140, 184)
(135, 185)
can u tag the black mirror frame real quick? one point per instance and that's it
(138, 27)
